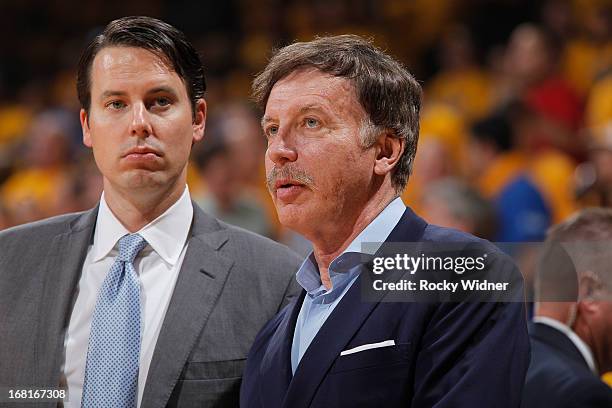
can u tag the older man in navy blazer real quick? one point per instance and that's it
(341, 120)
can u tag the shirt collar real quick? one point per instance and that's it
(166, 235)
(367, 242)
(582, 347)
(378, 230)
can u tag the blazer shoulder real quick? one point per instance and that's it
(445, 234)
(47, 227)
(240, 239)
(437, 234)
(553, 373)
(549, 360)
(564, 385)
(260, 247)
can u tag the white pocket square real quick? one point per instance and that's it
(364, 347)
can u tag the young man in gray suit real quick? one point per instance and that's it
(144, 300)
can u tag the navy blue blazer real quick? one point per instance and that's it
(460, 354)
(558, 375)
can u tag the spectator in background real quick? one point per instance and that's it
(224, 198)
(531, 60)
(453, 203)
(594, 180)
(547, 126)
(230, 171)
(598, 107)
(550, 168)
(595, 183)
(240, 128)
(498, 169)
(241, 131)
(461, 82)
(441, 151)
(14, 121)
(30, 193)
(589, 53)
(556, 19)
(571, 336)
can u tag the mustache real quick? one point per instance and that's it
(288, 172)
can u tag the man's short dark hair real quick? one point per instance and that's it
(386, 90)
(150, 34)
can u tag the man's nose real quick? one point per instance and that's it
(141, 123)
(281, 150)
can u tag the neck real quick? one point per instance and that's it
(329, 244)
(559, 311)
(136, 210)
(583, 331)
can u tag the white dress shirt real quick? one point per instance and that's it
(582, 347)
(157, 265)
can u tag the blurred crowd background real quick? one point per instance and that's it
(516, 128)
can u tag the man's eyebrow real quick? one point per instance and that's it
(107, 94)
(308, 108)
(156, 90)
(163, 89)
(265, 120)
(311, 107)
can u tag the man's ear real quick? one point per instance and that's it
(589, 287)
(199, 120)
(85, 127)
(389, 150)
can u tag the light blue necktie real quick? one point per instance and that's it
(111, 371)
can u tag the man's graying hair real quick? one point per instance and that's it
(386, 90)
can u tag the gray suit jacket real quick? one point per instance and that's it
(230, 284)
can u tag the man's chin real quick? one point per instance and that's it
(291, 216)
(144, 180)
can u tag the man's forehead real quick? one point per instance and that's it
(118, 60)
(114, 66)
(310, 89)
(313, 80)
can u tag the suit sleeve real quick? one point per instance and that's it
(475, 353)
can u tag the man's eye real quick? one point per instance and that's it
(272, 130)
(116, 104)
(162, 101)
(311, 123)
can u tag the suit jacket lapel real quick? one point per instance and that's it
(64, 263)
(199, 284)
(346, 319)
(275, 368)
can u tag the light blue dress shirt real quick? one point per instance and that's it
(319, 302)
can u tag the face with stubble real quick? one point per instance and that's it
(317, 168)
